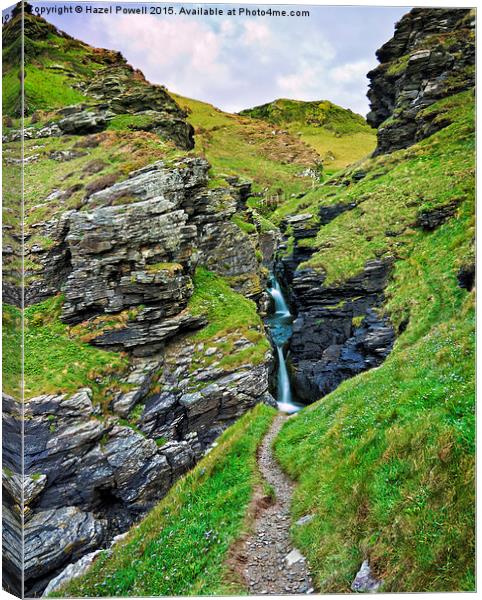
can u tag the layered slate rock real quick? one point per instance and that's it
(90, 477)
(339, 330)
(124, 262)
(118, 261)
(431, 56)
(137, 247)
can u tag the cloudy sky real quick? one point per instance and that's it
(236, 62)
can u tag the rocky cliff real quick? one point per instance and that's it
(143, 341)
(431, 56)
(341, 328)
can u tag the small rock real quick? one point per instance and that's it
(364, 580)
(293, 557)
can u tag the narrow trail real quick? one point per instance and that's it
(273, 565)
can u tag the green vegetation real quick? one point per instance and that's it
(111, 153)
(132, 122)
(338, 135)
(230, 316)
(386, 462)
(243, 224)
(53, 65)
(322, 113)
(57, 361)
(181, 547)
(236, 145)
(12, 350)
(46, 89)
(439, 168)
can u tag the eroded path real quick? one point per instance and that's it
(273, 565)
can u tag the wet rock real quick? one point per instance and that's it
(365, 581)
(338, 332)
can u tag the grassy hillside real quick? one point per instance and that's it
(236, 145)
(338, 135)
(386, 462)
(182, 546)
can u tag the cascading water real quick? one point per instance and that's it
(280, 326)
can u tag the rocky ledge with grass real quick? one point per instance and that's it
(431, 56)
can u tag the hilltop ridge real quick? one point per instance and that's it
(339, 135)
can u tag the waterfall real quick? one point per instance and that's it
(280, 305)
(280, 325)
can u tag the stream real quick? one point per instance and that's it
(280, 326)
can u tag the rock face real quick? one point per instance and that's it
(338, 331)
(431, 56)
(125, 263)
(88, 477)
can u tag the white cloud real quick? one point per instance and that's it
(236, 63)
(351, 71)
(256, 33)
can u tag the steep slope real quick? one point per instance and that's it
(385, 463)
(278, 163)
(338, 135)
(59, 72)
(142, 341)
(182, 546)
(431, 56)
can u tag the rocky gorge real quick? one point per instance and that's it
(145, 285)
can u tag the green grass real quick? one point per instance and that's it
(132, 122)
(181, 547)
(246, 147)
(243, 224)
(45, 89)
(338, 135)
(386, 462)
(322, 113)
(226, 310)
(230, 316)
(52, 65)
(58, 361)
(398, 187)
(120, 151)
(12, 350)
(11, 93)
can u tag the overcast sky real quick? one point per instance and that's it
(239, 62)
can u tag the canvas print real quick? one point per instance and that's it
(238, 299)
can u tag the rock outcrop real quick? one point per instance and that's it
(125, 263)
(339, 331)
(431, 56)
